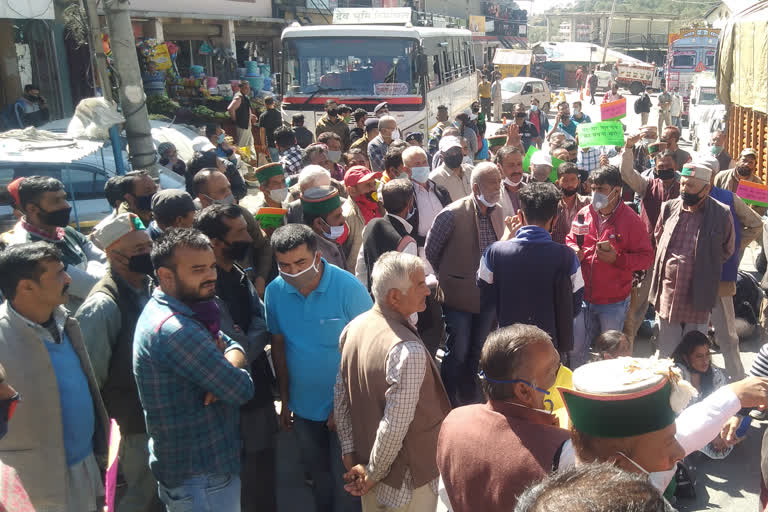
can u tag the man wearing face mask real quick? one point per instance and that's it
(630, 416)
(393, 167)
(322, 213)
(217, 136)
(138, 188)
(529, 135)
(371, 132)
(509, 160)
(616, 245)
(107, 320)
(430, 197)
(578, 114)
(269, 121)
(290, 151)
(571, 202)
(694, 238)
(653, 191)
(274, 192)
(31, 108)
(717, 149)
(455, 243)
(62, 427)
(510, 269)
(242, 319)
(453, 175)
(333, 143)
(331, 122)
(307, 308)
(746, 169)
(511, 441)
(359, 208)
(541, 165)
(46, 218)
(212, 187)
(192, 379)
(563, 122)
(378, 147)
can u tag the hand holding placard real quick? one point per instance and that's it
(604, 133)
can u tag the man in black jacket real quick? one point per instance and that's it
(643, 106)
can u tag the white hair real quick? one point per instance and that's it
(411, 152)
(483, 170)
(391, 271)
(313, 176)
(385, 119)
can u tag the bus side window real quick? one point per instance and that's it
(448, 67)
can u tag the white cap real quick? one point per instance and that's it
(201, 144)
(541, 158)
(449, 142)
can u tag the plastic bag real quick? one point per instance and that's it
(93, 118)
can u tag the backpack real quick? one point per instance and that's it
(638, 104)
(749, 295)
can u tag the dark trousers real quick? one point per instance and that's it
(466, 337)
(485, 107)
(321, 454)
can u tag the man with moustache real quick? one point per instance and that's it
(192, 379)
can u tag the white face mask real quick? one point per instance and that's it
(468, 160)
(334, 156)
(511, 183)
(487, 203)
(336, 231)
(420, 174)
(301, 279)
(278, 195)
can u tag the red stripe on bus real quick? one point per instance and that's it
(321, 101)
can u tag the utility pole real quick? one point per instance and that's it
(141, 150)
(98, 57)
(608, 31)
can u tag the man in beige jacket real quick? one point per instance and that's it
(58, 435)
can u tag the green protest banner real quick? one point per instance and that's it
(555, 164)
(527, 159)
(604, 133)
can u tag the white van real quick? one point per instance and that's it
(521, 89)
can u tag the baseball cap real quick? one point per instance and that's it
(449, 142)
(359, 174)
(749, 152)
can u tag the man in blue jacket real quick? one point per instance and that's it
(509, 270)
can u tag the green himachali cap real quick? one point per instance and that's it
(695, 170)
(626, 397)
(497, 140)
(265, 172)
(320, 200)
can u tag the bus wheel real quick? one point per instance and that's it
(546, 108)
(636, 88)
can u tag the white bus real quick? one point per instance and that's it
(413, 69)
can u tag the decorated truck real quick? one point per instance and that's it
(636, 76)
(742, 74)
(691, 51)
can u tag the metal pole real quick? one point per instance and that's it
(98, 57)
(141, 150)
(608, 31)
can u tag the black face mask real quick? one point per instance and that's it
(743, 170)
(238, 249)
(475, 109)
(58, 218)
(665, 174)
(690, 199)
(568, 192)
(141, 264)
(453, 161)
(144, 203)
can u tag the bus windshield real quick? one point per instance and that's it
(707, 96)
(377, 67)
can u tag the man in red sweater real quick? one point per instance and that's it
(615, 244)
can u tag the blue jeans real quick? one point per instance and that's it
(466, 337)
(594, 320)
(321, 453)
(203, 493)
(274, 155)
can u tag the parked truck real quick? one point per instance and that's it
(691, 51)
(742, 74)
(636, 76)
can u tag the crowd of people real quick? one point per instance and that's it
(443, 328)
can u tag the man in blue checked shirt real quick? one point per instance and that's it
(191, 380)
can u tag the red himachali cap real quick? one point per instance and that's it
(359, 174)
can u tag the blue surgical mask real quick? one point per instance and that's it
(420, 174)
(534, 108)
(222, 136)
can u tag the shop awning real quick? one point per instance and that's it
(27, 10)
(205, 10)
(512, 57)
